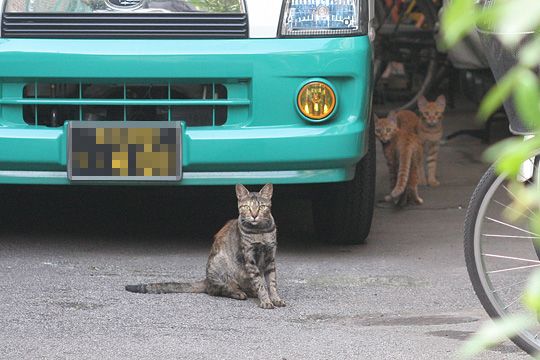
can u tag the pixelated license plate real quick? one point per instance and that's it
(142, 150)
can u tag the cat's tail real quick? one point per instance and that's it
(168, 288)
(405, 162)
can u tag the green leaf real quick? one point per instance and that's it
(498, 93)
(510, 153)
(529, 55)
(535, 223)
(511, 30)
(510, 161)
(527, 197)
(527, 98)
(531, 297)
(457, 20)
(490, 16)
(494, 152)
(494, 333)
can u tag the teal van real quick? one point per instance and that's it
(193, 92)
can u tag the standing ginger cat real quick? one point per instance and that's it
(431, 131)
(403, 152)
(242, 259)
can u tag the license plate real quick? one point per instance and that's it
(142, 150)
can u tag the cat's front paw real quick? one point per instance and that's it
(266, 305)
(388, 198)
(278, 302)
(433, 182)
(239, 295)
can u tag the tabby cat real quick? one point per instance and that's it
(403, 152)
(431, 132)
(242, 258)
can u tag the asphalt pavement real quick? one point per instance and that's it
(67, 253)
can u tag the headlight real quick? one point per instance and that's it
(324, 18)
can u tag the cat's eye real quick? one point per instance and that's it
(243, 207)
(262, 206)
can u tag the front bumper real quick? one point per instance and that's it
(265, 141)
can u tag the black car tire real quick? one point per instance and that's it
(342, 212)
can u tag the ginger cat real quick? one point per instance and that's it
(430, 131)
(403, 151)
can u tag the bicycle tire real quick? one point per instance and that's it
(486, 184)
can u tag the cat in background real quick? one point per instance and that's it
(242, 258)
(430, 131)
(409, 121)
(403, 151)
(429, 128)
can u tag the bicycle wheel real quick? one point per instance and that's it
(500, 254)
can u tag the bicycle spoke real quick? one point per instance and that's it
(511, 236)
(504, 247)
(513, 302)
(511, 258)
(512, 209)
(513, 269)
(511, 226)
(515, 197)
(509, 286)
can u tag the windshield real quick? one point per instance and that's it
(92, 6)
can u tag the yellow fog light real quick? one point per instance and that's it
(316, 100)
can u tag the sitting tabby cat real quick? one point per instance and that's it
(403, 152)
(242, 259)
(431, 131)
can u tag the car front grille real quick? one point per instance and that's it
(52, 104)
(125, 25)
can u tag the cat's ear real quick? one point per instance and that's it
(266, 191)
(441, 102)
(241, 191)
(392, 116)
(422, 103)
